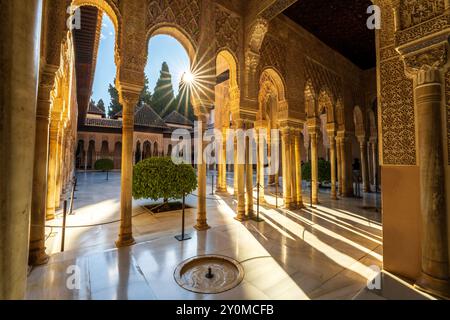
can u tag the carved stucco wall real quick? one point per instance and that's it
(184, 13)
(228, 30)
(301, 57)
(396, 105)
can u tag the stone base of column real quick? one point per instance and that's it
(300, 205)
(315, 201)
(50, 214)
(290, 206)
(125, 240)
(38, 256)
(221, 190)
(334, 197)
(240, 216)
(201, 225)
(434, 286)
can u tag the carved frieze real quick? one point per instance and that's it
(228, 28)
(273, 54)
(414, 12)
(185, 13)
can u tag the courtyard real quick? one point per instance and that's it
(318, 253)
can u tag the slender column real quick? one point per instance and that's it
(85, 159)
(59, 164)
(331, 136)
(298, 169)
(338, 164)
(249, 178)
(364, 164)
(435, 265)
(201, 173)
(343, 165)
(374, 163)
(222, 166)
(37, 255)
(129, 99)
(293, 168)
(285, 146)
(20, 28)
(235, 168)
(260, 164)
(240, 173)
(369, 160)
(314, 165)
(52, 167)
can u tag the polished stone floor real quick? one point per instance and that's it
(329, 251)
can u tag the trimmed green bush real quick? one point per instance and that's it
(104, 165)
(156, 178)
(324, 171)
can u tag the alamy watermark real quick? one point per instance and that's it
(374, 20)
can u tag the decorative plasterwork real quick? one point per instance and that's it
(273, 54)
(228, 26)
(414, 12)
(185, 13)
(276, 8)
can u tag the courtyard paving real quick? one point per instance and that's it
(326, 252)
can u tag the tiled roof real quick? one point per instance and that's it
(144, 116)
(177, 118)
(147, 117)
(105, 123)
(93, 109)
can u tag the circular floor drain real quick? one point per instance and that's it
(209, 274)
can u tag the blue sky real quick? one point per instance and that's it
(161, 48)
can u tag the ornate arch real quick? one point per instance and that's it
(373, 132)
(310, 99)
(272, 95)
(326, 103)
(109, 7)
(231, 60)
(179, 34)
(358, 119)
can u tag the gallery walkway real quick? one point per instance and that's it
(318, 253)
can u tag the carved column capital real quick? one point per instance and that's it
(425, 65)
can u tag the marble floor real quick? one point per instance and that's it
(329, 251)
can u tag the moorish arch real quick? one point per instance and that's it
(310, 99)
(227, 107)
(180, 35)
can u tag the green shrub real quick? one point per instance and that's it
(104, 165)
(324, 171)
(156, 178)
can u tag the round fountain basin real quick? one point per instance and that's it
(193, 274)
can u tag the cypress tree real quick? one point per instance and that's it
(163, 99)
(114, 105)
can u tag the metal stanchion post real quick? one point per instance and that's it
(182, 236)
(63, 236)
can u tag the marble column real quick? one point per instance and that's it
(52, 165)
(222, 165)
(201, 174)
(37, 255)
(248, 178)
(345, 192)
(338, 165)
(374, 163)
(60, 164)
(331, 137)
(260, 164)
(235, 168)
(364, 164)
(298, 169)
(129, 100)
(434, 277)
(20, 28)
(293, 168)
(240, 171)
(314, 165)
(286, 170)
